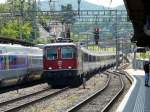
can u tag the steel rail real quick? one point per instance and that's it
(22, 97)
(125, 73)
(80, 104)
(19, 106)
(108, 106)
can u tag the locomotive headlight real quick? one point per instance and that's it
(50, 68)
(69, 67)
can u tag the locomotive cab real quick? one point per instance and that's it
(60, 63)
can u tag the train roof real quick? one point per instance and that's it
(11, 45)
(97, 53)
(5, 48)
(60, 44)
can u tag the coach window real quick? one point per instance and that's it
(51, 53)
(67, 52)
(14, 60)
(1, 62)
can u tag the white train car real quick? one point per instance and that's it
(19, 64)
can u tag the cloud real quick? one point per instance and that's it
(2, 1)
(107, 3)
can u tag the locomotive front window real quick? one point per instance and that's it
(51, 53)
(67, 52)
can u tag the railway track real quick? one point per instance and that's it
(103, 99)
(18, 103)
(123, 66)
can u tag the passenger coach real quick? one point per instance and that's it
(19, 64)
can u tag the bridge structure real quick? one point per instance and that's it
(115, 18)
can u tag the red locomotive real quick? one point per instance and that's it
(65, 63)
(60, 62)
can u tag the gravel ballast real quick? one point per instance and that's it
(69, 98)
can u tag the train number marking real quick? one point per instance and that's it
(59, 63)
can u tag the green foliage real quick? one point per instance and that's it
(143, 55)
(74, 37)
(14, 5)
(42, 40)
(26, 28)
(2, 7)
(9, 28)
(97, 48)
(12, 28)
(78, 37)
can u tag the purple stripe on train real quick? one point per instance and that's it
(18, 66)
(3, 66)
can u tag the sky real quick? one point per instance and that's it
(2, 1)
(106, 3)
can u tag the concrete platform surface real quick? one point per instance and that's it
(138, 97)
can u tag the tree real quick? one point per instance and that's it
(10, 26)
(143, 55)
(11, 29)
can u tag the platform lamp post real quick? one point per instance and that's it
(116, 35)
(50, 1)
(21, 20)
(134, 58)
(79, 1)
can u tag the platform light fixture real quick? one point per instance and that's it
(79, 1)
(21, 19)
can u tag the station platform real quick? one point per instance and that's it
(138, 97)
